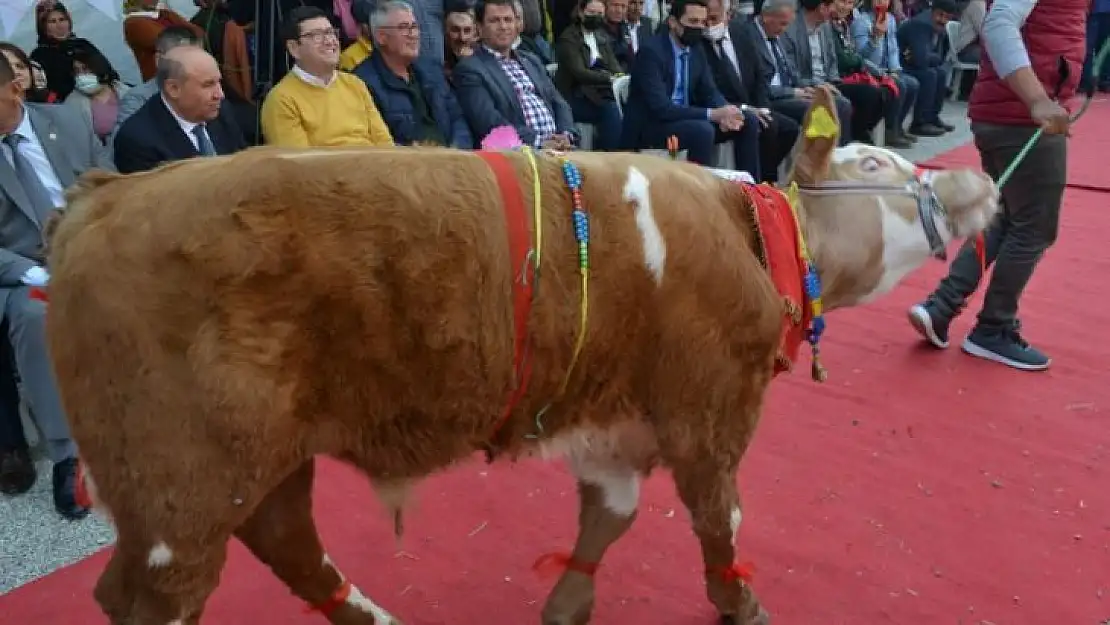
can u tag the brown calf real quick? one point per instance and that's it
(217, 323)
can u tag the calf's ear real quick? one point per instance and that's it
(820, 132)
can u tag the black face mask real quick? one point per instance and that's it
(592, 22)
(691, 36)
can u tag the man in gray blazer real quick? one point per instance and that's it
(809, 44)
(499, 86)
(791, 93)
(44, 151)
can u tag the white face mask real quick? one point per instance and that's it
(87, 83)
(716, 32)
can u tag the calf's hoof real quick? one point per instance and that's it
(760, 618)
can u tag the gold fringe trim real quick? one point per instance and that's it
(783, 362)
(793, 310)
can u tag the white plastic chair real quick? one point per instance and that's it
(952, 30)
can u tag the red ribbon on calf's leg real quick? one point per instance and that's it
(334, 602)
(737, 571)
(551, 563)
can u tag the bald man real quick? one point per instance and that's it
(188, 118)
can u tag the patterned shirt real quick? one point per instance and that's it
(536, 114)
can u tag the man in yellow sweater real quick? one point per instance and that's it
(315, 104)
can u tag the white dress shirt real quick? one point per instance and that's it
(186, 126)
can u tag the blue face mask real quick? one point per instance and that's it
(87, 83)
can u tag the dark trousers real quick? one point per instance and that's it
(606, 118)
(776, 141)
(745, 145)
(932, 87)
(796, 108)
(12, 436)
(867, 108)
(1025, 227)
(898, 108)
(696, 136)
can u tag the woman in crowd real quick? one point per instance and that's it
(874, 33)
(56, 46)
(97, 92)
(28, 75)
(587, 67)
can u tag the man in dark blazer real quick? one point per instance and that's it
(789, 96)
(188, 118)
(743, 81)
(411, 93)
(43, 152)
(924, 47)
(672, 93)
(627, 29)
(499, 86)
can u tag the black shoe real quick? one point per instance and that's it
(946, 126)
(930, 323)
(65, 490)
(909, 135)
(1007, 347)
(17, 472)
(927, 130)
(895, 139)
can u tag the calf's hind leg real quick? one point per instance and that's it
(282, 534)
(706, 483)
(608, 493)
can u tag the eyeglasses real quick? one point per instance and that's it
(318, 36)
(404, 29)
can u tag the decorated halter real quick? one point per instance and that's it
(930, 210)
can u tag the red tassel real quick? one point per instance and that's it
(81, 490)
(37, 293)
(981, 253)
(337, 599)
(550, 564)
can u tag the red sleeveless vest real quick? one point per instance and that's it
(1055, 28)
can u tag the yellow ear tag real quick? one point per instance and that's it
(821, 124)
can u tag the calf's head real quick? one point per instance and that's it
(870, 216)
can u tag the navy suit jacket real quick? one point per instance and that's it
(653, 80)
(152, 136)
(391, 95)
(915, 41)
(488, 99)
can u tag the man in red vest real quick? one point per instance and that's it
(1033, 55)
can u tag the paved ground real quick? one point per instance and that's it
(34, 541)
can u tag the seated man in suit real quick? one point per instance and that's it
(625, 32)
(189, 118)
(672, 94)
(44, 151)
(810, 46)
(411, 95)
(499, 86)
(743, 81)
(788, 94)
(924, 46)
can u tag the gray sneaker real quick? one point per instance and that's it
(930, 323)
(1007, 347)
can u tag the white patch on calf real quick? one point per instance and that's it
(603, 457)
(904, 248)
(359, 601)
(637, 191)
(160, 555)
(734, 520)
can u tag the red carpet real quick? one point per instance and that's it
(1089, 144)
(914, 488)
